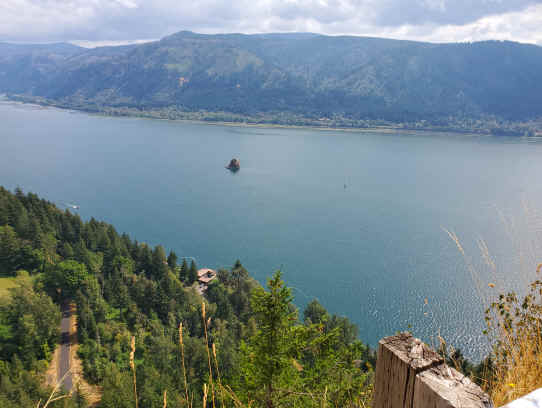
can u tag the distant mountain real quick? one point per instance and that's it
(304, 74)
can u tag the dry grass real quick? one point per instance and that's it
(51, 375)
(181, 344)
(7, 283)
(514, 322)
(206, 323)
(521, 371)
(517, 323)
(55, 393)
(132, 366)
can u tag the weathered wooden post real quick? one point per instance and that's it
(411, 375)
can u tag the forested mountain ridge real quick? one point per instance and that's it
(306, 75)
(128, 290)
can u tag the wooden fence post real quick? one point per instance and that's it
(411, 375)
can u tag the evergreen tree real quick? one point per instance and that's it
(145, 260)
(102, 242)
(118, 389)
(22, 224)
(224, 276)
(159, 263)
(270, 351)
(10, 246)
(172, 260)
(35, 232)
(183, 273)
(348, 331)
(315, 313)
(239, 272)
(192, 273)
(67, 251)
(80, 253)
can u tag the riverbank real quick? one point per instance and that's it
(290, 121)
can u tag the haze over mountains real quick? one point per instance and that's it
(304, 74)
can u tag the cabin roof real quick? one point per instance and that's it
(206, 279)
(206, 271)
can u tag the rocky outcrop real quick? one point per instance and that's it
(234, 165)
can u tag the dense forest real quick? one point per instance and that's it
(293, 79)
(141, 322)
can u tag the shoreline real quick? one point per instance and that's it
(374, 129)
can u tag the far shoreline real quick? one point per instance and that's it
(374, 129)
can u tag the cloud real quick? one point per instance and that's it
(109, 43)
(127, 3)
(122, 20)
(35, 20)
(524, 26)
(457, 12)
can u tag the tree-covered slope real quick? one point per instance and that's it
(306, 74)
(24, 66)
(126, 290)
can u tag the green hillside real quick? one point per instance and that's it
(312, 76)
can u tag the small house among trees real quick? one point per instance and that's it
(205, 276)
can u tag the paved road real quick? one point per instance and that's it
(64, 360)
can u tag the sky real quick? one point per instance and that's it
(106, 22)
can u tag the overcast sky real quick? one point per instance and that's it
(92, 22)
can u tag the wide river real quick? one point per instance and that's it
(354, 219)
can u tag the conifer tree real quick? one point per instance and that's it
(192, 273)
(239, 272)
(270, 350)
(183, 273)
(159, 263)
(67, 251)
(172, 260)
(315, 313)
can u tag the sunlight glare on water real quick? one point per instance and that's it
(354, 219)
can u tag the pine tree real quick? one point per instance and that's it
(172, 260)
(10, 246)
(35, 232)
(192, 273)
(103, 241)
(315, 313)
(67, 251)
(159, 263)
(239, 273)
(183, 273)
(145, 260)
(269, 356)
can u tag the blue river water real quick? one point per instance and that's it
(356, 220)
